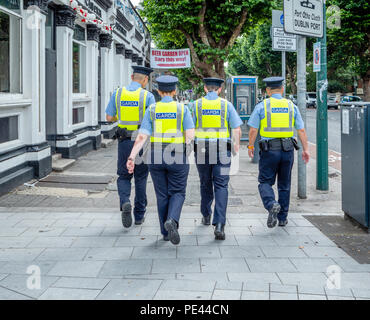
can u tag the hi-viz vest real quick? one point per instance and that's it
(211, 119)
(279, 119)
(167, 119)
(130, 108)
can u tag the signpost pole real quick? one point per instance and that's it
(322, 166)
(283, 70)
(301, 98)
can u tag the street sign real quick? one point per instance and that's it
(304, 17)
(278, 18)
(317, 57)
(282, 41)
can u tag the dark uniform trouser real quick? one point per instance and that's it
(124, 180)
(276, 163)
(170, 182)
(214, 182)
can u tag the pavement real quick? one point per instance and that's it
(64, 242)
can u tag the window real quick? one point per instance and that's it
(50, 30)
(79, 60)
(8, 129)
(78, 115)
(10, 53)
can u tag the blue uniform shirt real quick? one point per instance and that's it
(259, 113)
(232, 116)
(147, 124)
(111, 109)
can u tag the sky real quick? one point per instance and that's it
(135, 2)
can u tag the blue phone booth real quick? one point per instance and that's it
(242, 91)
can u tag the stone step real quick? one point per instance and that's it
(62, 164)
(105, 143)
(56, 156)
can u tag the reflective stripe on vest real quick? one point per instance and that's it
(130, 108)
(167, 119)
(211, 119)
(279, 119)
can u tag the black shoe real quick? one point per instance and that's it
(140, 221)
(273, 212)
(220, 232)
(126, 215)
(283, 223)
(166, 238)
(206, 220)
(171, 226)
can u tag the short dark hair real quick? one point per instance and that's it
(276, 88)
(166, 92)
(212, 87)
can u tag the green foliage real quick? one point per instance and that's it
(336, 86)
(348, 46)
(208, 27)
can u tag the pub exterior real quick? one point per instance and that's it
(60, 62)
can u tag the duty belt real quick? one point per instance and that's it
(285, 144)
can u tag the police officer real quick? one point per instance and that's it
(215, 118)
(170, 126)
(127, 106)
(276, 118)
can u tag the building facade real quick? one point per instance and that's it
(60, 62)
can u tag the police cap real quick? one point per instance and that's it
(274, 82)
(143, 70)
(167, 83)
(213, 82)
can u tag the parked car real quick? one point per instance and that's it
(293, 98)
(311, 99)
(350, 99)
(333, 101)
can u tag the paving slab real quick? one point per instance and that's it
(179, 265)
(86, 269)
(229, 285)
(154, 253)
(199, 252)
(283, 296)
(126, 267)
(182, 295)
(215, 276)
(18, 254)
(283, 252)
(119, 289)
(315, 279)
(52, 242)
(255, 295)
(28, 286)
(266, 277)
(270, 265)
(94, 242)
(137, 241)
(15, 242)
(312, 264)
(223, 265)
(226, 294)
(69, 294)
(188, 285)
(22, 268)
(311, 297)
(241, 251)
(6, 294)
(81, 283)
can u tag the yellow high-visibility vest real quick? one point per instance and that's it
(211, 119)
(167, 119)
(279, 119)
(130, 108)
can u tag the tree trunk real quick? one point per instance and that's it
(220, 70)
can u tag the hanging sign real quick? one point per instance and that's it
(170, 59)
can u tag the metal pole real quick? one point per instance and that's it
(301, 98)
(322, 165)
(283, 70)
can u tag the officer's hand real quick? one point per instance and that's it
(251, 153)
(305, 156)
(130, 165)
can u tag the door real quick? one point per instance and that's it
(50, 80)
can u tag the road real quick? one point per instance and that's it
(333, 128)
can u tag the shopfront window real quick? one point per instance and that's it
(8, 129)
(79, 60)
(10, 53)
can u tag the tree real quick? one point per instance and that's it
(349, 45)
(254, 56)
(208, 27)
